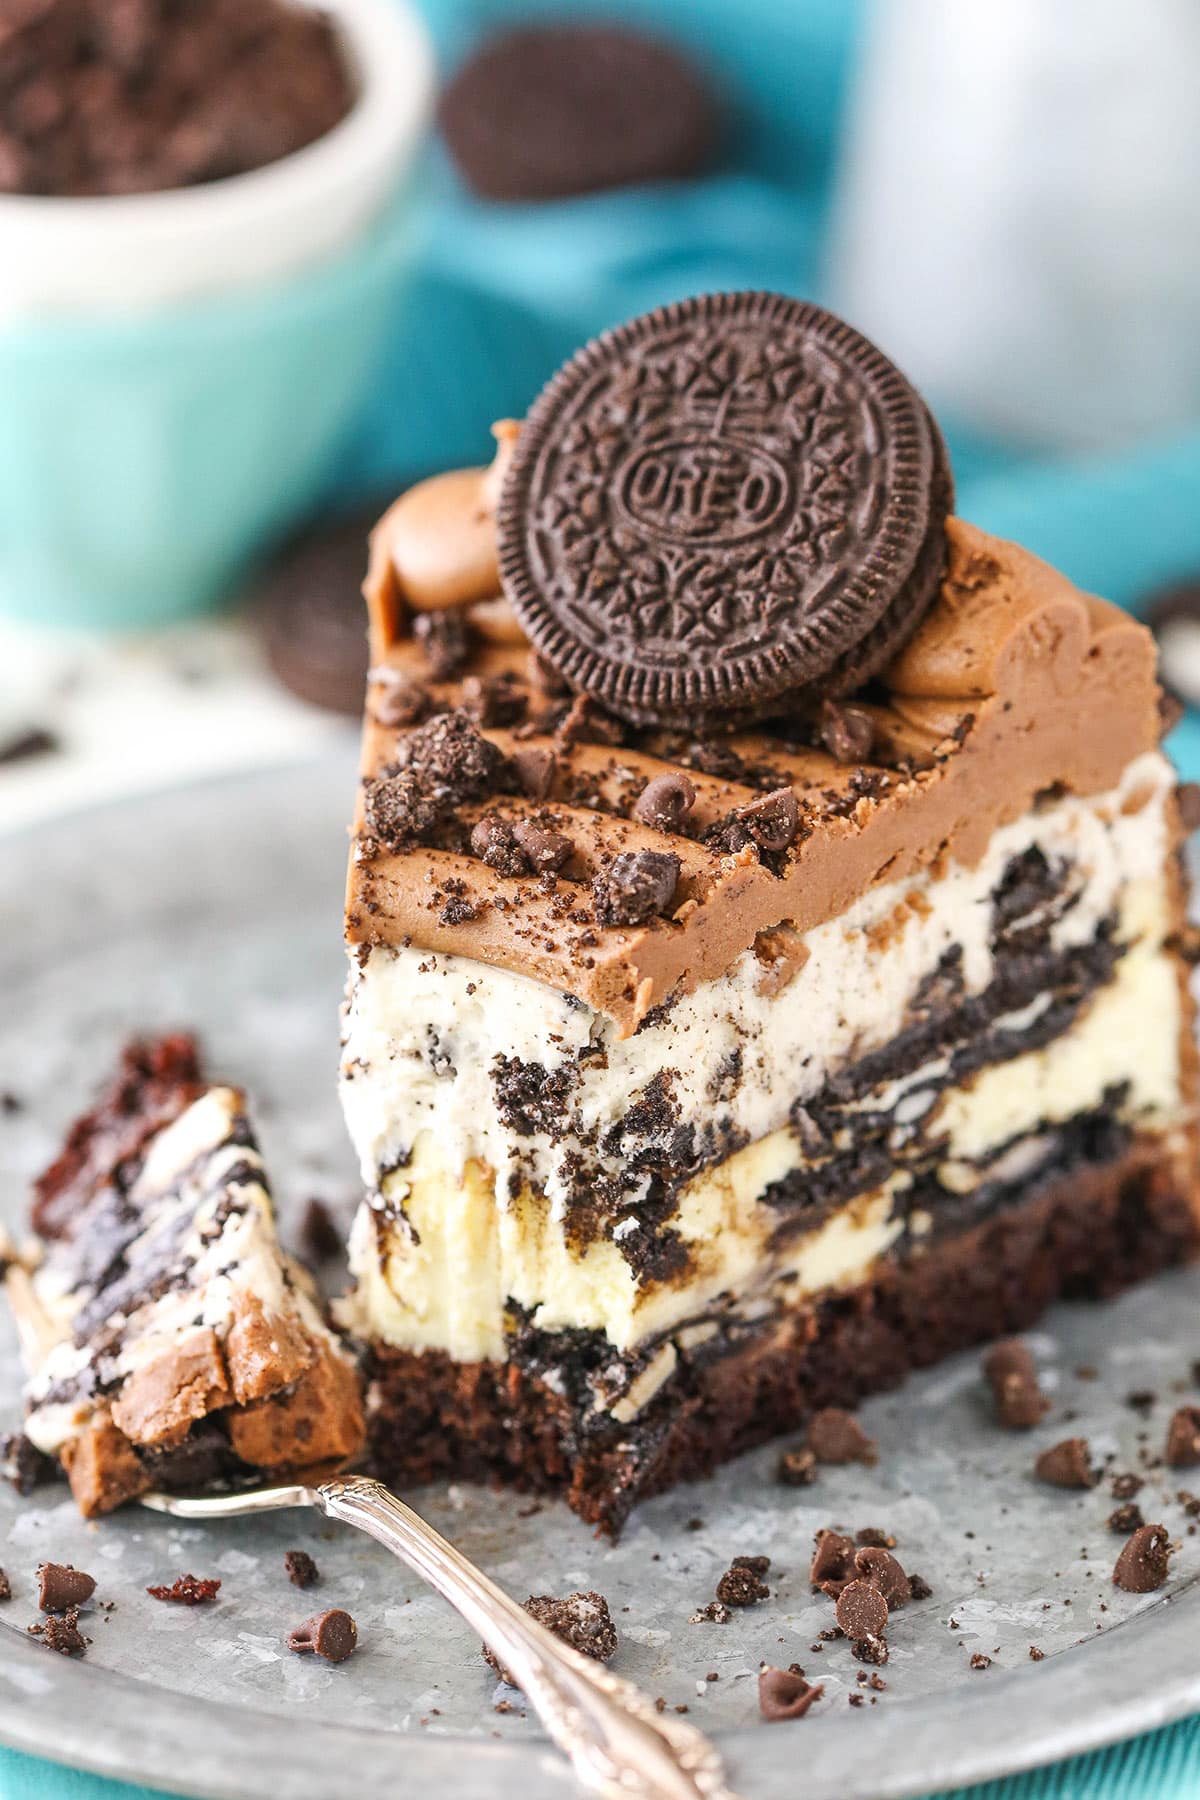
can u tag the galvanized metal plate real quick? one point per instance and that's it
(218, 907)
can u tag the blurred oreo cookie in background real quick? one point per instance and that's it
(542, 112)
(308, 605)
(1173, 614)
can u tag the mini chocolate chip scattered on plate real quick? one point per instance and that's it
(331, 1634)
(1183, 1438)
(862, 1611)
(729, 508)
(1144, 1561)
(302, 1571)
(60, 1586)
(1067, 1464)
(1012, 1375)
(835, 1436)
(545, 111)
(785, 1694)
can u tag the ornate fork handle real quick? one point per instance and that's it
(619, 1746)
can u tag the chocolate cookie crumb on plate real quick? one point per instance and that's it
(835, 1436)
(1036, 1655)
(874, 1537)
(980, 1661)
(714, 1613)
(785, 1694)
(797, 1468)
(1126, 1518)
(23, 1465)
(1012, 1375)
(541, 112)
(187, 1590)
(581, 1620)
(331, 1634)
(742, 1583)
(5, 1586)
(919, 1588)
(1067, 1464)
(1125, 1486)
(871, 1649)
(1183, 1438)
(302, 1571)
(61, 1587)
(1144, 1561)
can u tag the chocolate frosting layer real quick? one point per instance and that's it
(1016, 683)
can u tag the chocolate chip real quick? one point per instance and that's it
(442, 764)
(742, 1583)
(331, 1634)
(302, 1571)
(1183, 1438)
(494, 842)
(637, 886)
(397, 702)
(187, 1590)
(445, 641)
(581, 1620)
(1012, 1374)
(862, 1611)
(535, 770)
(62, 1634)
(832, 1558)
(1126, 1518)
(772, 820)
(835, 1436)
(1143, 1563)
(494, 699)
(797, 1468)
(1188, 796)
(665, 802)
(847, 732)
(60, 1587)
(1068, 1464)
(545, 851)
(879, 1566)
(785, 1695)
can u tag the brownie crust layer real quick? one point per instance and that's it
(1085, 1234)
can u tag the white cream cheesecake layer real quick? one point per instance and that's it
(442, 1277)
(178, 1193)
(423, 1032)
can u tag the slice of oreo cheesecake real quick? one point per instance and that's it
(170, 1340)
(766, 922)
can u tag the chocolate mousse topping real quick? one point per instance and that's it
(726, 509)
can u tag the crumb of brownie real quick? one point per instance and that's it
(1183, 1438)
(1126, 1518)
(1143, 1563)
(61, 1633)
(302, 1571)
(1067, 1464)
(919, 1588)
(581, 1620)
(835, 1436)
(61, 1587)
(742, 1583)
(980, 1661)
(1016, 1394)
(331, 1634)
(187, 1590)
(1125, 1487)
(796, 1468)
(785, 1694)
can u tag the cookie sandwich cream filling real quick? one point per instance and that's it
(764, 917)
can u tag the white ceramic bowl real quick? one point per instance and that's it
(133, 252)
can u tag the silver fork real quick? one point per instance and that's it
(620, 1747)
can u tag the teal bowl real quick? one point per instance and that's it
(143, 460)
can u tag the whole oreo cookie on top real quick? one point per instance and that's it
(724, 511)
(545, 111)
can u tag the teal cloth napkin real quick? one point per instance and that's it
(1164, 1765)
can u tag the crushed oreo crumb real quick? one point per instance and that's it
(445, 641)
(398, 701)
(637, 886)
(1124, 1487)
(714, 1613)
(742, 1583)
(870, 1650)
(442, 765)
(494, 700)
(61, 1634)
(1126, 1518)
(535, 770)
(581, 1620)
